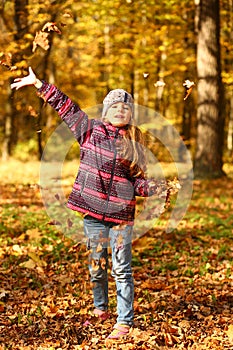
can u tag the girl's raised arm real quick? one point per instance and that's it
(30, 79)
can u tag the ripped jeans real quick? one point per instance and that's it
(99, 234)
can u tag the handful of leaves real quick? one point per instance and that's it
(164, 191)
(173, 187)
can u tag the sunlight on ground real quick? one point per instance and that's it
(228, 168)
(15, 171)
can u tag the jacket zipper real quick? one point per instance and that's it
(112, 172)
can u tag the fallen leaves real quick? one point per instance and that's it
(183, 280)
(172, 334)
(229, 333)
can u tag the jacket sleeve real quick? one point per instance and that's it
(149, 187)
(70, 112)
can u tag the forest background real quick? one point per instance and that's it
(87, 48)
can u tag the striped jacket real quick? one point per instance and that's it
(103, 187)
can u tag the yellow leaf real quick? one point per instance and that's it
(99, 248)
(37, 260)
(30, 264)
(230, 333)
(33, 233)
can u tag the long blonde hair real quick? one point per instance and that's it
(132, 150)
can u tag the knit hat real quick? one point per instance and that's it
(114, 96)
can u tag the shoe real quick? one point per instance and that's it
(102, 315)
(119, 332)
(98, 316)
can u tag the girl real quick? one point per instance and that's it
(111, 173)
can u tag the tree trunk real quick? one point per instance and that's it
(210, 116)
(7, 131)
(10, 138)
(230, 129)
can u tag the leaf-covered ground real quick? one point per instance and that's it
(183, 280)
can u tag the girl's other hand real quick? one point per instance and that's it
(30, 79)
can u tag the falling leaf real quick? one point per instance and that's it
(32, 111)
(69, 223)
(54, 222)
(7, 61)
(103, 263)
(67, 15)
(11, 68)
(99, 248)
(51, 27)
(94, 265)
(41, 39)
(120, 240)
(57, 196)
(145, 75)
(188, 87)
(159, 84)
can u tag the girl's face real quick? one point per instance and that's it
(119, 114)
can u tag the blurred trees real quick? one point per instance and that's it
(104, 45)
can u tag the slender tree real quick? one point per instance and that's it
(210, 116)
(20, 21)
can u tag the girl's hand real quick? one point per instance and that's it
(30, 79)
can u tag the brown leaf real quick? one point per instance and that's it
(7, 61)
(103, 263)
(94, 265)
(54, 222)
(41, 39)
(51, 27)
(69, 223)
